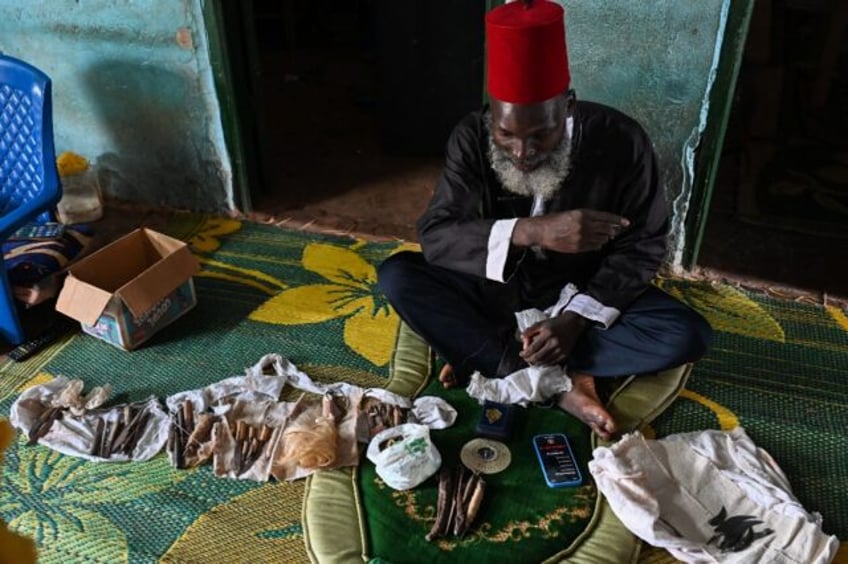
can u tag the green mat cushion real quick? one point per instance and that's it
(333, 523)
(638, 401)
(582, 524)
(266, 289)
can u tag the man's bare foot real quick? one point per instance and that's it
(447, 377)
(583, 402)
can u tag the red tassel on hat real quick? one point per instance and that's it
(526, 56)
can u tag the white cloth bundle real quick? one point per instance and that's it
(534, 384)
(709, 496)
(75, 434)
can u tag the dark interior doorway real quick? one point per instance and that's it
(359, 98)
(779, 212)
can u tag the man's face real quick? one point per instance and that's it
(530, 146)
(528, 133)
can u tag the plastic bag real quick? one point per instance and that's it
(84, 429)
(404, 456)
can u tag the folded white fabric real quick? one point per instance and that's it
(709, 496)
(533, 384)
(265, 380)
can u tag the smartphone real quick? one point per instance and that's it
(39, 232)
(559, 466)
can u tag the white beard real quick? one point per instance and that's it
(543, 181)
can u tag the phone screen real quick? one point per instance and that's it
(557, 460)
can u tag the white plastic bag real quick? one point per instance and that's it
(408, 460)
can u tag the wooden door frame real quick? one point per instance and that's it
(236, 70)
(712, 140)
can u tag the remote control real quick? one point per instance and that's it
(29, 348)
(559, 465)
(38, 232)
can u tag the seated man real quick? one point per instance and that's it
(550, 203)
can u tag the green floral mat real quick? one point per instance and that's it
(309, 297)
(777, 368)
(521, 519)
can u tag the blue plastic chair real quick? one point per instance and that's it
(29, 181)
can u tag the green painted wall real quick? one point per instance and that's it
(656, 61)
(132, 91)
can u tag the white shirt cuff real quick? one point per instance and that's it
(565, 297)
(500, 238)
(590, 308)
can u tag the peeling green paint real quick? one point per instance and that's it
(656, 61)
(130, 93)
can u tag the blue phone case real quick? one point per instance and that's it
(559, 465)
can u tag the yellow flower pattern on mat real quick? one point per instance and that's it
(57, 499)
(838, 316)
(207, 238)
(15, 384)
(727, 420)
(351, 293)
(406, 246)
(15, 549)
(514, 531)
(263, 523)
(247, 276)
(726, 308)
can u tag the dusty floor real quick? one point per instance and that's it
(782, 263)
(786, 262)
(330, 169)
(332, 173)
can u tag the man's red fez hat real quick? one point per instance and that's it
(526, 56)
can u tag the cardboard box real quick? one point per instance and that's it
(130, 289)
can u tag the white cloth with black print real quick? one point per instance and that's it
(709, 496)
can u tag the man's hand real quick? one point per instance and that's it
(551, 341)
(573, 231)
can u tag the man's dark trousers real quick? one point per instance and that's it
(470, 329)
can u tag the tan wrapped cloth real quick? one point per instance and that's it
(320, 435)
(59, 416)
(310, 440)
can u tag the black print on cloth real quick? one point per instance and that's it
(734, 534)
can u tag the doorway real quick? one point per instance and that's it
(358, 100)
(779, 211)
(359, 97)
